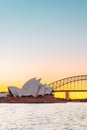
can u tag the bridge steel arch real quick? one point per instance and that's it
(57, 84)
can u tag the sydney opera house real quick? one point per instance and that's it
(32, 87)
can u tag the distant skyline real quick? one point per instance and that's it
(42, 38)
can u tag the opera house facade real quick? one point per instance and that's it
(32, 87)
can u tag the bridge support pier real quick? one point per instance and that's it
(67, 95)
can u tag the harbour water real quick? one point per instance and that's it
(56, 116)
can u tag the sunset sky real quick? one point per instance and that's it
(42, 38)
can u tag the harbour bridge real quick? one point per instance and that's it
(70, 84)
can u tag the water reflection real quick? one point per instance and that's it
(69, 116)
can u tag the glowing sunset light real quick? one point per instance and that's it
(43, 39)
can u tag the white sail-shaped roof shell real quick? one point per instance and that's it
(48, 90)
(31, 82)
(31, 87)
(42, 90)
(13, 90)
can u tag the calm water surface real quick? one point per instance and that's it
(67, 116)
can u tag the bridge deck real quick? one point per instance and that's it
(70, 91)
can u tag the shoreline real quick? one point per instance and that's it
(40, 99)
(30, 99)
